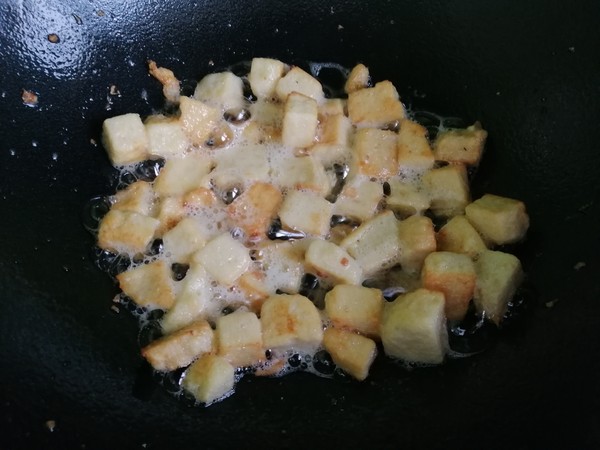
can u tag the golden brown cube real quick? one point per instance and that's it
(448, 190)
(255, 209)
(414, 152)
(357, 79)
(138, 197)
(375, 107)
(126, 231)
(417, 240)
(500, 220)
(350, 351)
(149, 285)
(459, 236)
(356, 308)
(198, 120)
(375, 153)
(209, 379)
(460, 146)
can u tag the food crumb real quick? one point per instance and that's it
(93, 142)
(340, 27)
(114, 90)
(579, 265)
(53, 37)
(50, 425)
(211, 63)
(29, 98)
(115, 308)
(551, 303)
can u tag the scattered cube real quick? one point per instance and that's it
(224, 258)
(192, 302)
(333, 262)
(236, 167)
(413, 327)
(170, 211)
(375, 153)
(255, 289)
(264, 75)
(358, 78)
(211, 378)
(454, 275)
(414, 152)
(299, 121)
(448, 190)
(180, 348)
(460, 146)
(498, 277)
(198, 119)
(166, 137)
(329, 154)
(406, 199)
(266, 113)
(290, 322)
(239, 338)
(351, 352)
(302, 172)
(181, 175)
(283, 263)
(125, 139)
(375, 244)
(255, 209)
(185, 238)
(332, 107)
(199, 198)
(149, 285)
(500, 220)
(417, 240)
(307, 212)
(459, 236)
(126, 231)
(335, 129)
(359, 199)
(222, 90)
(375, 107)
(297, 80)
(356, 308)
(138, 197)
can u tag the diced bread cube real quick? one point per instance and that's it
(414, 152)
(181, 175)
(283, 263)
(180, 348)
(498, 277)
(264, 75)
(209, 379)
(357, 79)
(359, 199)
(307, 212)
(417, 240)
(333, 263)
(500, 220)
(300, 121)
(255, 289)
(192, 301)
(302, 172)
(448, 190)
(255, 209)
(454, 275)
(185, 238)
(332, 107)
(329, 154)
(257, 133)
(375, 153)
(239, 338)
(199, 198)
(235, 167)
(375, 107)
(198, 119)
(224, 258)
(290, 322)
(459, 236)
(297, 80)
(166, 137)
(170, 211)
(406, 198)
(351, 352)
(149, 285)
(335, 129)
(375, 244)
(356, 308)
(126, 231)
(125, 139)
(460, 146)
(413, 327)
(222, 90)
(268, 113)
(138, 197)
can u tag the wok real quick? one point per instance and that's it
(527, 70)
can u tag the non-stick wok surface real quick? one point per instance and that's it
(528, 70)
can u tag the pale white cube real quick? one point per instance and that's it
(149, 285)
(335, 129)
(299, 121)
(297, 80)
(375, 107)
(417, 240)
(181, 175)
(448, 190)
(307, 212)
(359, 199)
(333, 262)
(239, 338)
(138, 197)
(283, 264)
(406, 198)
(198, 119)
(224, 258)
(375, 153)
(222, 90)
(166, 137)
(264, 75)
(238, 167)
(329, 154)
(125, 139)
(302, 172)
(358, 78)
(188, 236)
(126, 231)
(209, 379)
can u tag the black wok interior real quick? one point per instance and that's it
(529, 71)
